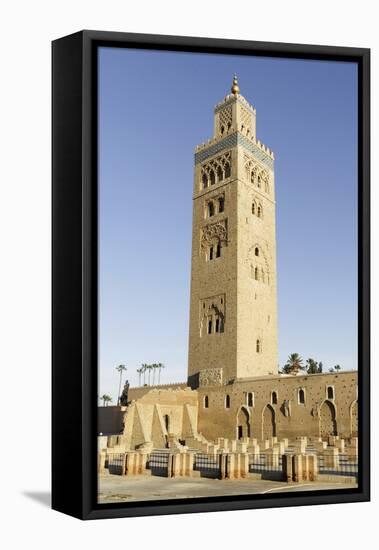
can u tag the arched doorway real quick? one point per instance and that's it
(268, 421)
(354, 419)
(328, 424)
(243, 423)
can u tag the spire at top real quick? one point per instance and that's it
(235, 88)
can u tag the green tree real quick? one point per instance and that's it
(294, 364)
(106, 399)
(120, 369)
(313, 367)
(336, 368)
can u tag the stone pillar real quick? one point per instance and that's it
(297, 467)
(241, 447)
(340, 444)
(272, 457)
(288, 467)
(254, 450)
(332, 440)
(331, 460)
(233, 446)
(223, 457)
(223, 443)
(320, 445)
(230, 467)
(352, 450)
(312, 467)
(305, 467)
(300, 445)
(280, 446)
(141, 459)
(101, 462)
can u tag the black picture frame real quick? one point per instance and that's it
(74, 272)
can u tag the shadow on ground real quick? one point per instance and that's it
(42, 497)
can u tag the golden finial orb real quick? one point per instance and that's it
(235, 88)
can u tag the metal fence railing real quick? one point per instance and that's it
(116, 463)
(208, 465)
(265, 463)
(158, 463)
(343, 465)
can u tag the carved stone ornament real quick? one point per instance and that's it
(214, 232)
(210, 377)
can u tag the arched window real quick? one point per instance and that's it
(227, 170)
(256, 251)
(204, 179)
(217, 325)
(330, 392)
(250, 399)
(259, 181)
(301, 396)
(222, 129)
(212, 177)
(221, 204)
(220, 175)
(256, 275)
(274, 398)
(211, 209)
(218, 250)
(211, 253)
(258, 346)
(253, 208)
(259, 211)
(227, 401)
(209, 325)
(206, 402)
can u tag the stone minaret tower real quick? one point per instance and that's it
(233, 310)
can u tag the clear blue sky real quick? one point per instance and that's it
(154, 108)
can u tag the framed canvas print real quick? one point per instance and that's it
(210, 275)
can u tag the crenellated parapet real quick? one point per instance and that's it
(232, 139)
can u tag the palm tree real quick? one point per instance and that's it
(149, 368)
(106, 399)
(144, 369)
(153, 367)
(140, 371)
(160, 366)
(294, 364)
(120, 369)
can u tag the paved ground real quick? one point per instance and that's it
(115, 488)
